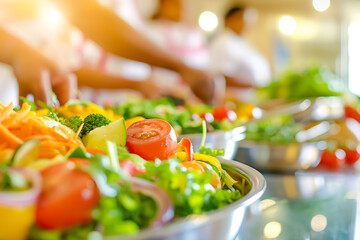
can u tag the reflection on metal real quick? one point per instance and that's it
(357, 221)
(328, 108)
(257, 113)
(272, 230)
(321, 5)
(197, 219)
(352, 195)
(266, 203)
(290, 187)
(318, 223)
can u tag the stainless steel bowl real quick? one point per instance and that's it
(271, 157)
(226, 140)
(221, 224)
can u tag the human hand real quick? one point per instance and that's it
(150, 89)
(38, 76)
(208, 88)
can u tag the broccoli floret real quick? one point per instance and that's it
(73, 122)
(93, 121)
(53, 116)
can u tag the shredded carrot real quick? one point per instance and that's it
(79, 130)
(17, 127)
(6, 112)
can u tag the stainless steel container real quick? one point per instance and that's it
(272, 157)
(226, 140)
(222, 224)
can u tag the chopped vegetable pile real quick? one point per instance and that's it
(185, 120)
(291, 85)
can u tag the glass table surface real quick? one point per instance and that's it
(306, 205)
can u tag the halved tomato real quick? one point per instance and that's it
(67, 198)
(152, 139)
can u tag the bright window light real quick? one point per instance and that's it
(52, 15)
(208, 21)
(354, 57)
(321, 5)
(287, 25)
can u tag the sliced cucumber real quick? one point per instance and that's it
(114, 132)
(26, 153)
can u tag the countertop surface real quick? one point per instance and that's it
(306, 205)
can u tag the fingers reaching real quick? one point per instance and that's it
(65, 87)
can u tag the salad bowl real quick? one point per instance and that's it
(222, 224)
(227, 140)
(277, 157)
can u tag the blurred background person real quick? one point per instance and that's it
(101, 30)
(242, 65)
(169, 31)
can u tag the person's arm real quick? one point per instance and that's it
(90, 77)
(35, 74)
(238, 82)
(114, 35)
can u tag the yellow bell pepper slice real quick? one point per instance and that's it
(210, 159)
(202, 157)
(133, 120)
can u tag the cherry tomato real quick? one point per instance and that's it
(221, 113)
(129, 167)
(152, 139)
(333, 159)
(352, 155)
(67, 198)
(351, 112)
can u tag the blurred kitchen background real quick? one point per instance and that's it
(289, 33)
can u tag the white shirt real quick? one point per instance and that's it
(233, 56)
(184, 41)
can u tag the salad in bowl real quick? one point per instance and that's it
(99, 178)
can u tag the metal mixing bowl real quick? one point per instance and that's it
(272, 157)
(226, 140)
(221, 224)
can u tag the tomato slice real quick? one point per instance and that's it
(352, 155)
(67, 198)
(221, 113)
(152, 139)
(351, 112)
(333, 159)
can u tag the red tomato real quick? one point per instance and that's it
(129, 167)
(221, 113)
(67, 198)
(351, 112)
(333, 160)
(352, 155)
(186, 145)
(152, 139)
